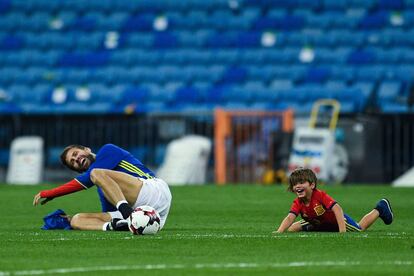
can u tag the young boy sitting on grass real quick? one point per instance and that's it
(320, 212)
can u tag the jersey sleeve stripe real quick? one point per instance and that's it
(81, 184)
(352, 228)
(129, 167)
(332, 205)
(293, 213)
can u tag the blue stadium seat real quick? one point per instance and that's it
(139, 40)
(237, 94)
(248, 39)
(11, 42)
(165, 40)
(38, 21)
(363, 91)
(358, 57)
(348, 38)
(186, 95)
(375, 20)
(234, 75)
(391, 4)
(389, 91)
(342, 73)
(195, 39)
(89, 59)
(113, 21)
(317, 74)
(31, 99)
(335, 85)
(134, 95)
(286, 23)
(5, 5)
(334, 4)
(370, 73)
(393, 107)
(140, 23)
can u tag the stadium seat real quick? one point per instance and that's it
(361, 57)
(370, 73)
(389, 91)
(374, 20)
(139, 23)
(165, 40)
(317, 74)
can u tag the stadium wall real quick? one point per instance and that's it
(379, 146)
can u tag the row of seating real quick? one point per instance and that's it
(204, 39)
(221, 19)
(215, 74)
(174, 97)
(171, 5)
(375, 57)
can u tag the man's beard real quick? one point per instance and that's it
(91, 158)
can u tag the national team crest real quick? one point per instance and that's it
(319, 210)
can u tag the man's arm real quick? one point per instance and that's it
(286, 223)
(67, 188)
(339, 214)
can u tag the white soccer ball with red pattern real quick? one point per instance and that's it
(144, 221)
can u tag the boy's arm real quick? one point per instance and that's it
(286, 223)
(339, 214)
(67, 188)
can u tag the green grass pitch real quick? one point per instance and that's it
(210, 230)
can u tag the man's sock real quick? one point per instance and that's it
(124, 208)
(107, 226)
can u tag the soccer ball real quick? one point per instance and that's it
(144, 221)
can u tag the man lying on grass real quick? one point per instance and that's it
(320, 212)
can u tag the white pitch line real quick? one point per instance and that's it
(219, 236)
(201, 266)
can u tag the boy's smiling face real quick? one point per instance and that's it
(304, 190)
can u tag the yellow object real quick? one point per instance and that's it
(336, 106)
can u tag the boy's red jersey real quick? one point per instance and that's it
(319, 211)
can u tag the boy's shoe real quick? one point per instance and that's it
(385, 211)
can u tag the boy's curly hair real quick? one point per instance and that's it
(301, 175)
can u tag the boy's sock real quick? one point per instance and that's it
(124, 208)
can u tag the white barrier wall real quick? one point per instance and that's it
(26, 161)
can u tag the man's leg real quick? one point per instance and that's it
(89, 221)
(121, 189)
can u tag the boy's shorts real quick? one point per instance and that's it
(351, 226)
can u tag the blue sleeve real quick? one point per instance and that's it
(105, 204)
(108, 157)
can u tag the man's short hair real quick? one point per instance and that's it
(65, 152)
(301, 175)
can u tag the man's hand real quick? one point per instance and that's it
(38, 198)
